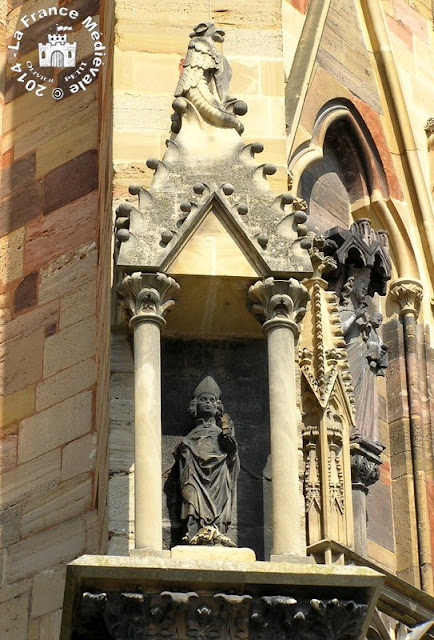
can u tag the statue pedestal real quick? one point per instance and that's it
(214, 553)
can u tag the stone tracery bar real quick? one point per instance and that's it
(146, 299)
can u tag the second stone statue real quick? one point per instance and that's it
(208, 467)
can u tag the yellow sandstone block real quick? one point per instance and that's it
(245, 76)
(272, 78)
(17, 406)
(135, 146)
(11, 256)
(156, 72)
(66, 146)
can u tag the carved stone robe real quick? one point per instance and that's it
(363, 376)
(209, 467)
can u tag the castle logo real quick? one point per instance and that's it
(63, 68)
(57, 52)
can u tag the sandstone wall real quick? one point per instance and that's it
(54, 279)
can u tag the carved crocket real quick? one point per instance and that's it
(205, 82)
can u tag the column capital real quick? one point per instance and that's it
(147, 297)
(278, 302)
(408, 293)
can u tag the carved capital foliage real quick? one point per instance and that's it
(278, 300)
(182, 616)
(408, 293)
(147, 296)
(365, 463)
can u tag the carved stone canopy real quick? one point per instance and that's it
(208, 171)
(359, 249)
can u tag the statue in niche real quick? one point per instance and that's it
(367, 354)
(204, 83)
(208, 467)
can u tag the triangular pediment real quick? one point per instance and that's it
(214, 243)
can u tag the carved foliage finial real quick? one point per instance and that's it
(147, 296)
(408, 293)
(283, 300)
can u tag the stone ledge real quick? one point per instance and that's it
(97, 584)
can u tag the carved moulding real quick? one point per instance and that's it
(327, 408)
(184, 615)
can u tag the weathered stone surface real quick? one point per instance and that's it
(17, 406)
(49, 625)
(58, 544)
(70, 181)
(121, 501)
(78, 304)
(53, 235)
(8, 453)
(66, 146)
(47, 592)
(25, 295)
(68, 272)
(10, 525)
(21, 362)
(21, 207)
(26, 324)
(56, 505)
(70, 346)
(65, 384)
(78, 457)
(13, 618)
(55, 426)
(17, 175)
(11, 256)
(30, 478)
(31, 127)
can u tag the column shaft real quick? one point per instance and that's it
(284, 439)
(147, 439)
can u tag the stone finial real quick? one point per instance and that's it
(408, 293)
(203, 87)
(278, 300)
(147, 296)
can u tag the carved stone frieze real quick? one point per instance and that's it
(284, 300)
(147, 296)
(408, 293)
(180, 616)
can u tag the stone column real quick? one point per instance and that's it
(280, 304)
(365, 471)
(409, 293)
(146, 297)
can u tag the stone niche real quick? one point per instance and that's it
(240, 368)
